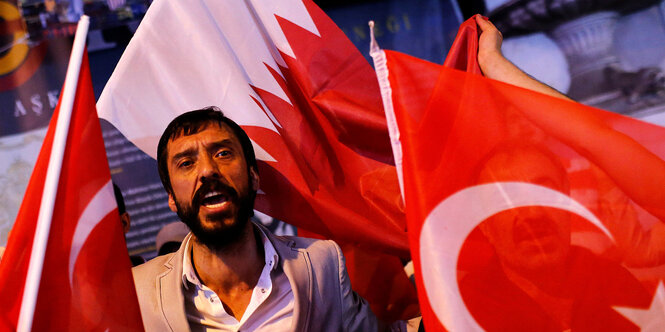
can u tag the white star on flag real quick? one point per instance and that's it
(651, 319)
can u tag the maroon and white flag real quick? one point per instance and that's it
(309, 102)
(291, 78)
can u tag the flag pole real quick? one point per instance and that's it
(381, 69)
(40, 240)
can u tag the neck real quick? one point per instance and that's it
(234, 268)
(551, 279)
(549, 289)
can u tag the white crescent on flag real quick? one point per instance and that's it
(216, 53)
(99, 206)
(449, 224)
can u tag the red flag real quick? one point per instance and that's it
(86, 282)
(527, 212)
(290, 77)
(306, 97)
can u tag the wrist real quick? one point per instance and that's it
(490, 61)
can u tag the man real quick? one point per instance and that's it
(229, 273)
(126, 221)
(538, 280)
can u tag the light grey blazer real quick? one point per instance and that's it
(324, 300)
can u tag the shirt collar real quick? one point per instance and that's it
(189, 275)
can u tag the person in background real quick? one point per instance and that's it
(126, 221)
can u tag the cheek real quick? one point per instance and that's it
(183, 188)
(563, 220)
(498, 229)
(502, 222)
(240, 179)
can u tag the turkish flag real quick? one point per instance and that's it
(526, 212)
(86, 282)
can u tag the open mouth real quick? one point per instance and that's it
(214, 199)
(534, 230)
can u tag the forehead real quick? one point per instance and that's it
(208, 133)
(523, 165)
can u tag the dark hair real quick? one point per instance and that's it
(193, 122)
(118, 199)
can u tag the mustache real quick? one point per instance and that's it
(214, 185)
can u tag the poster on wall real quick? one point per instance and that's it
(32, 70)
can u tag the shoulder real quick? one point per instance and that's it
(316, 249)
(148, 281)
(284, 243)
(156, 263)
(146, 273)
(323, 257)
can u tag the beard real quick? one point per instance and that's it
(221, 235)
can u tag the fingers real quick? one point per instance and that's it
(489, 47)
(490, 36)
(483, 23)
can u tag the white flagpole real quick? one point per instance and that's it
(40, 240)
(381, 69)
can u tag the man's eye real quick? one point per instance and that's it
(223, 153)
(185, 163)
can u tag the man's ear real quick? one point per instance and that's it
(487, 232)
(172, 205)
(126, 222)
(254, 178)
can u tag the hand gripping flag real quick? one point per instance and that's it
(86, 282)
(525, 212)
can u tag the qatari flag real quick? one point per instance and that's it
(309, 102)
(291, 78)
(525, 212)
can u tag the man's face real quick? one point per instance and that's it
(212, 188)
(533, 237)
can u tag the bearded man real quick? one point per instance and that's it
(229, 273)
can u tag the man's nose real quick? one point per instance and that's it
(208, 169)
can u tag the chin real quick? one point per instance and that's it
(535, 261)
(221, 233)
(213, 223)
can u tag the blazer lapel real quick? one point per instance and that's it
(298, 270)
(172, 302)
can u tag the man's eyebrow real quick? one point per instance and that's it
(227, 142)
(182, 154)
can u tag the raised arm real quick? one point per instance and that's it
(495, 66)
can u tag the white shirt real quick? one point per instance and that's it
(270, 307)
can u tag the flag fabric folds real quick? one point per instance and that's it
(291, 78)
(309, 102)
(86, 281)
(525, 212)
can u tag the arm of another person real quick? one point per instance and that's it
(636, 170)
(495, 66)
